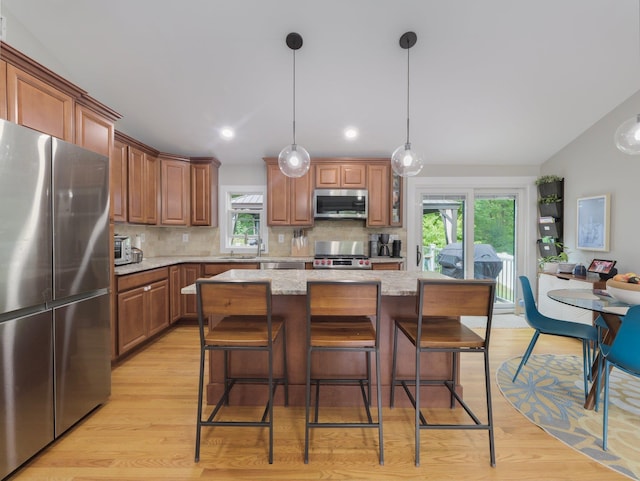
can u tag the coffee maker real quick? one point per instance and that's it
(383, 245)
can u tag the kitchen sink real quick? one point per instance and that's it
(237, 257)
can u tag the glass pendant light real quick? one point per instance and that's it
(405, 161)
(628, 136)
(294, 160)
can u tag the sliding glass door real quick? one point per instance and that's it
(495, 243)
(468, 233)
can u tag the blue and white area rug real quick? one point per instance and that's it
(549, 392)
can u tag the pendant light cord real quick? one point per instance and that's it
(408, 94)
(294, 97)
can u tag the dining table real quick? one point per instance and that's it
(610, 309)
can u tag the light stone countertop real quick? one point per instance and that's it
(293, 282)
(156, 262)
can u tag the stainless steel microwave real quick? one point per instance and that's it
(122, 250)
(340, 203)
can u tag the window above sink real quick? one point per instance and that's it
(243, 224)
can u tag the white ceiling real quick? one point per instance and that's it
(492, 81)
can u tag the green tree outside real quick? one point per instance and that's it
(494, 224)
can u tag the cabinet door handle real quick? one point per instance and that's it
(147, 288)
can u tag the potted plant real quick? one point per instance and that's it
(551, 205)
(552, 252)
(550, 263)
(550, 185)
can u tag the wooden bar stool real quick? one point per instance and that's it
(247, 325)
(437, 328)
(344, 316)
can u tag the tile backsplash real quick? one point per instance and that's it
(205, 241)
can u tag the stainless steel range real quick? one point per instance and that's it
(340, 255)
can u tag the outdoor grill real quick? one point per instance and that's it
(487, 264)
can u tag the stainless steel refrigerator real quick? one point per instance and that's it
(54, 289)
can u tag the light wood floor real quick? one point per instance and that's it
(147, 429)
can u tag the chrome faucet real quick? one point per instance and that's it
(259, 253)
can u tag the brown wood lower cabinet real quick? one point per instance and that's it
(143, 307)
(387, 266)
(218, 268)
(149, 302)
(175, 302)
(189, 274)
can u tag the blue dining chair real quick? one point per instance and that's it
(556, 327)
(623, 354)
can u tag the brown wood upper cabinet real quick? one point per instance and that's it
(34, 96)
(395, 215)
(204, 191)
(93, 131)
(289, 200)
(147, 185)
(175, 178)
(38, 105)
(385, 195)
(378, 185)
(3, 89)
(143, 187)
(119, 174)
(340, 175)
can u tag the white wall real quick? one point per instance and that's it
(592, 165)
(242, 174)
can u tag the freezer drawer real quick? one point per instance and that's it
(82, 359)
(26, 394)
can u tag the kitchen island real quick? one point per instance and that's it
(289, 300)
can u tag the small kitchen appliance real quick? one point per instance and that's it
(340, 203)
(396, 247)
(373, 245)
(340, 255)
(136, 255)
(383, 245)
(122, 250)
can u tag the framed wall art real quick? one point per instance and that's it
(593, 223)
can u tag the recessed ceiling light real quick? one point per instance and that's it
(227, 133)
(351, 133)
